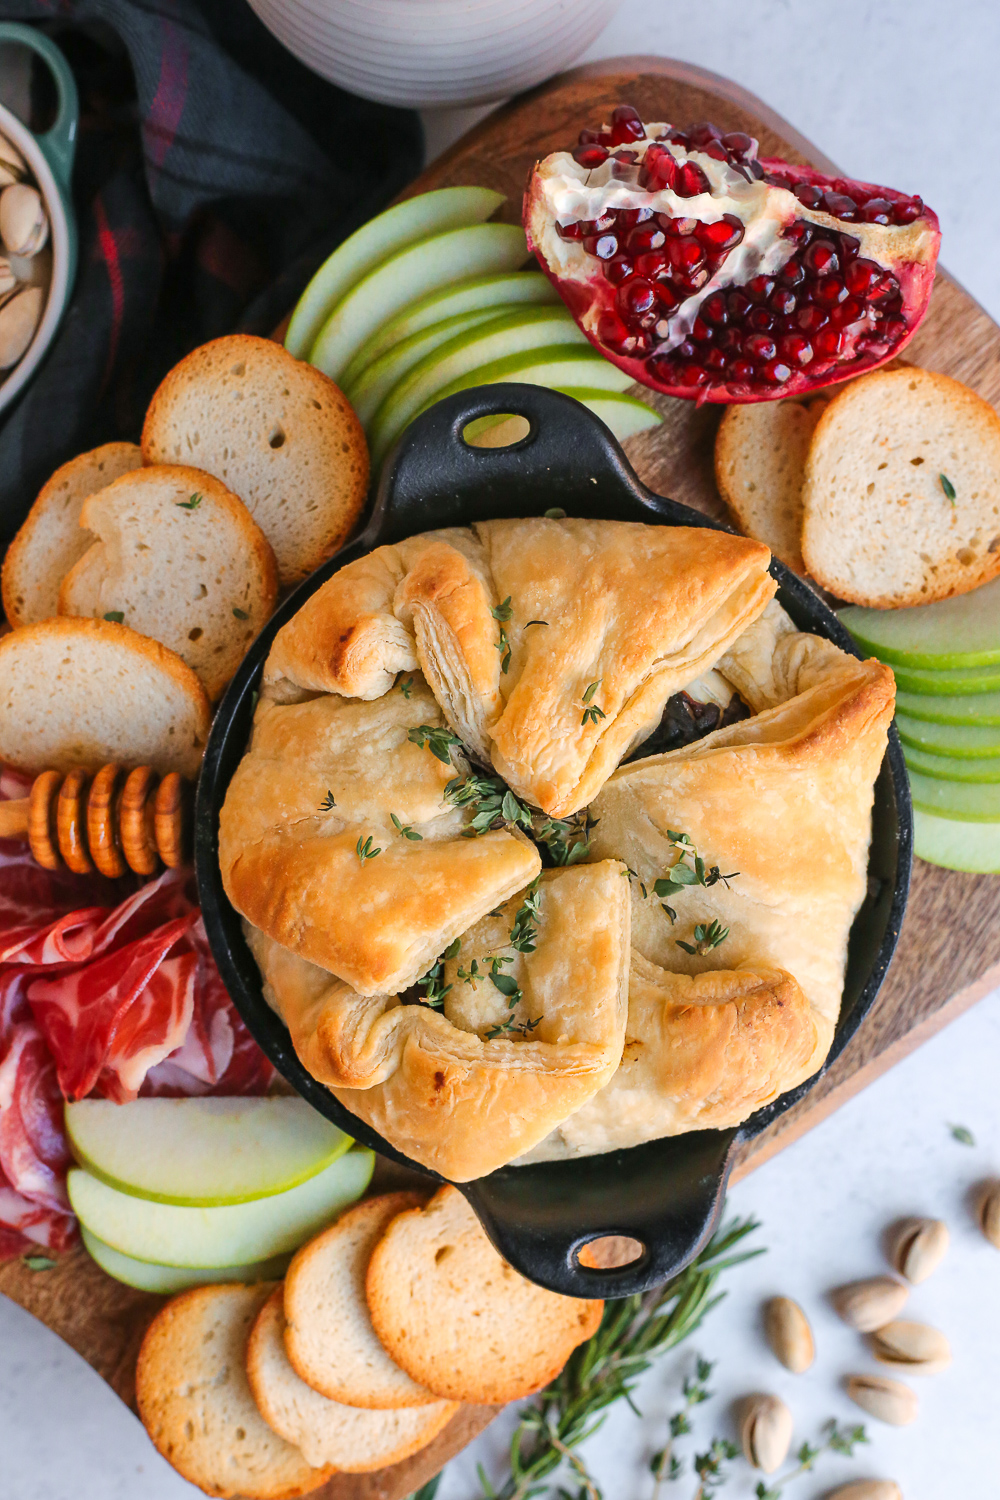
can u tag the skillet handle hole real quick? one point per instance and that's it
(500, 431)
(610, 1252)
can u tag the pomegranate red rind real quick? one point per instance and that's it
(706, 273)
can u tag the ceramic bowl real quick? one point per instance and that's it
(50, 158)
(432, 53)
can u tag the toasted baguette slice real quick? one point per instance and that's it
(194, 1399)
(760, 460)
(84, 692)
(458, 1318)
(354, 1441)
(880, 525)
(277, 432)
(50, 540)
(183, 561)
(329, 1335)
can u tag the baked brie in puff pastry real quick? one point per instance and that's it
(466, 1089)
(551, 645)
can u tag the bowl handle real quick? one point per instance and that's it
(59, 142)
(668, 1202)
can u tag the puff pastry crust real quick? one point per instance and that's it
(290, 864)
(439, 1086)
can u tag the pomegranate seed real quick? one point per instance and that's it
(714, 308)
(628, 218)
(618, 270)
(590, 156)
(693, 281)
(821, 258)
(895, 329)
(715, 360)
(791, 272)
(700, 134)
(693, 375)
(669, 299)
(637, 299)
(799, 231)
(716, 150)
(741, 371)
(877, 211)
(626, 125)
(810, 319)
(776, 371)
(588, 137)
(686, 349)
(614, 334)
(677, 136)
(905, 213)
(659, 168)
(847, 313)
(861, 276)
(731, 340)
(572, 231)
(724, 234)
(888, 288)
(755, 169)
(760, 320)
(691, 181)
(760, 288)
(645, 237)
(829, 342)
(700, 332)
(808, 195)
(738, 305)
(759, 347)
(830, 290)
(652, 264)
(796, 348)
(782, 301)
(604, 246)
(686, 254)
(738, 142)
(600, 225)
(841, 206)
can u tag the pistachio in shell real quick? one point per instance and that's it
(914, 1348)
(867, 1305)
(19, 317)
(24, 224)
(766, 1432)
(789, 1335)
(989, 1213)
(867, 1489)
(13, 167)
(918, 1247)
(883, 1398)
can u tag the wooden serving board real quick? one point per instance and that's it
(949, 950)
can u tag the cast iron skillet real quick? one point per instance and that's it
(666, 1194)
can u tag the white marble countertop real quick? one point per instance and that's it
(904, 92)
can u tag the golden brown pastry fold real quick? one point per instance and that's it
(465, 1091)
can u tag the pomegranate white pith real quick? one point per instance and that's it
(706, 273)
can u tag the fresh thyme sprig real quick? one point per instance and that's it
(438, 740)
(328, 803)
(591, 712)
(512, 1027)
(524, 931)
(431, 983)
(682, 874)
(191, 503)
(837, 1440)
(566, 839)
(707, 935)
(633, 1332)
(665, 1465)
(363, 848)
(710, 1469)
(405, 830)
(405, 686)
(502, 613)
(494, 803)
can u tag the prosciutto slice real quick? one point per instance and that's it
(107, 988)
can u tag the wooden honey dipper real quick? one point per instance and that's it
(115, 821)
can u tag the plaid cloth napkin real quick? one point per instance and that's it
(214, 173)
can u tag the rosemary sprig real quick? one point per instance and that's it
(328, 803)
(706, 937)
(431, 983)
(363, 848)
(633, 1332)
(405, 830)
(438, 740)
(837, 1440)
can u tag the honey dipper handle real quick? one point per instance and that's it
(14, 818)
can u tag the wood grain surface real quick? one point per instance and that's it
(949, 949)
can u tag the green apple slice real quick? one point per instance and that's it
(166, 1280)
(954, 741)
(504, 289)
(957, 845)
(374, 242)
(962, 800)
(415, 271)
(958, 680)
(966, 708)
(521, 332)
(980, 770)
(203, 1151)
(231, 1235)
(959, 632)
(373, 385)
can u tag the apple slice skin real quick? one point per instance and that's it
(415, 219)
(166, 1280)
(203, 1152)
(951, 741)
(963, 801)
(946, 683)
(419, 269)
(624, 415)
(232, 1234)
(979, 771)
(964, 708)
(501, 289)
(959, 632)
(954, 845)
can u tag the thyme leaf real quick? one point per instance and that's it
(706, 937)
(364, 849)
(431, 983)
(524, 931)
(512, 1028)
(406, 686)
(592, 689)
(566, 839)
(39, 1262)
(962, 1134)
(406, 830)
(836, 1440)
(240, 614)
(503, 612)
(536, 622)
(438, 740)
(948, 487)
(115, 616)
(191, 503)
(328, 803)
(555, 513)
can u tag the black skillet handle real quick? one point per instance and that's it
(569, 458)
(667, 1197)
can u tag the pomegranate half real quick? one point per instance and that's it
(707, 273)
